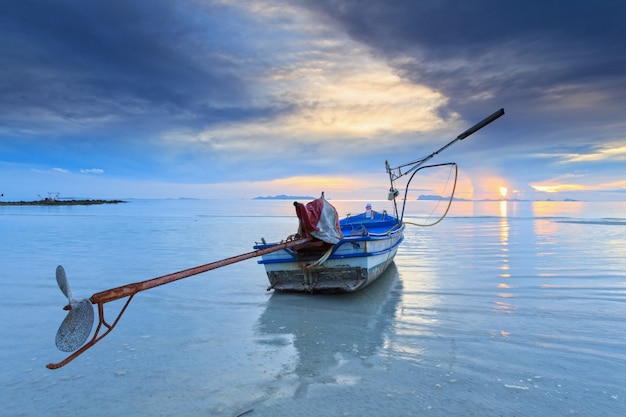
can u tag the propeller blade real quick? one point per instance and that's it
(76, 327)
(64, 284)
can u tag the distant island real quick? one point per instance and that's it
(285, 197)
(426, 197)
(438, 197)
(58, 202)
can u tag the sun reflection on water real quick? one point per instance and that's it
(504, 227)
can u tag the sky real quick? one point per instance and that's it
(244, 98)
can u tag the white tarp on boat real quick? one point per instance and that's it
(319, 219)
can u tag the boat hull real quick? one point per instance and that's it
(335, 277)
(360, 257)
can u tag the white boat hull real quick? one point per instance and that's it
(352, 264)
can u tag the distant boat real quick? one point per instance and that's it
(348, 254)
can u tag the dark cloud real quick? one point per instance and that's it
(190, 90)
(122, 62)
(539, 59)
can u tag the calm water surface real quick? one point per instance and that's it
(503, 309)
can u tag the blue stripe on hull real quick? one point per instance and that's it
(365, 252)
(333, 277)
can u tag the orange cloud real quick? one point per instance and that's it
(562, 184)
(608, 152)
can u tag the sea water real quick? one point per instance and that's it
(502, 309)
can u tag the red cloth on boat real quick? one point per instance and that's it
(319, 219)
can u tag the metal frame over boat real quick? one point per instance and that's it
(362, 247)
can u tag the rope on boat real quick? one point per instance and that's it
(308, 278)
(456, 175)
(292, 237)
(320, 262)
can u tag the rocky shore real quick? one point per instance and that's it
(54, 202)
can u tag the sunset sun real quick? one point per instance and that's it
(503, 191)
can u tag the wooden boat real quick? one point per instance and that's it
(365, 246)
(348, 254)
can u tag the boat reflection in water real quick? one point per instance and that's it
(324, 333)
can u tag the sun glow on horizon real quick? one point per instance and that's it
(335, 187)
(555, 188)
(504, 191)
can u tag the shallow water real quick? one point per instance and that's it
(512, 308)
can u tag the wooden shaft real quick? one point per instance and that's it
(131, 289)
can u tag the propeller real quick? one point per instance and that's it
(76, 327)
(78, 323)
